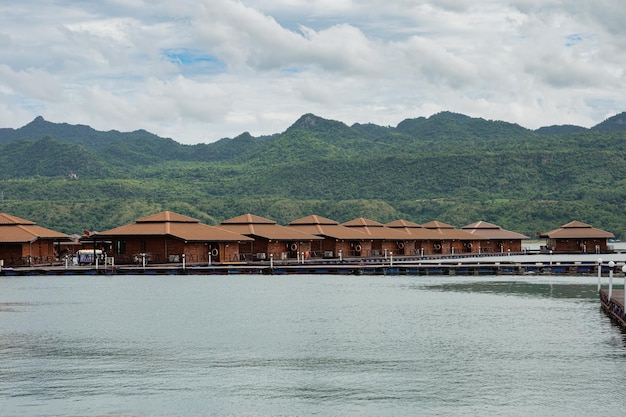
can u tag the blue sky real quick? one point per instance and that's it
(200, 70)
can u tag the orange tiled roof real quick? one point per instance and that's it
(167, 216)
(17, 230)
(416, 231)
(577, 230)
(376, 230)
(175, 225)
(448, 232)
(492, 231)
(401, 223)
(252, 225)
(248, 219)
(321, 226)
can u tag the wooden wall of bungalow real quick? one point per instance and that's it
(500, 246)
(425, 247)
(160, 249)
(442, 246)
(408, 247)
(449, 246)
(590, 245)
(332, 247)
(28, 253)
(263, 249)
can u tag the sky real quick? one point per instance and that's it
(200, 70)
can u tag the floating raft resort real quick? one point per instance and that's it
(174, 244)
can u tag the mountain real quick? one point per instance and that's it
(616, 123)
(47, 157)
(449, 166)
(454, 126)
(138, 147)
(559, 129)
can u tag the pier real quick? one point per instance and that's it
(612, 300)
(614, 306)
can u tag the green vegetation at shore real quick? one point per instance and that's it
(448, 167)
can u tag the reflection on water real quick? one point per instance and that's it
(529, 289)
(306, 345)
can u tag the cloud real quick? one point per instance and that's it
(201, 70)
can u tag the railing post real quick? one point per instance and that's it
(599, 273)
(624, 271)
(611, 265)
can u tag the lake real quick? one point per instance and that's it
(307, 345)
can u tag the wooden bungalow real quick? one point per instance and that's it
(423, 240)
(498, 240)
(22, 242)
(576, 237)
(379, 240)
(338, 240)
(269, 239)
(164, 238)
(453, 241)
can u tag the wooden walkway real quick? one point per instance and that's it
(492, 264)
(614, 306)
(351, 267)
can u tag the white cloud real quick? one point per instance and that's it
(201, 70)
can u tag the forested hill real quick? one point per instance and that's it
(449, 167)
(93, 153)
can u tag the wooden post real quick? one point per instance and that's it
(624, 271)
(599, 272)
(611, 265)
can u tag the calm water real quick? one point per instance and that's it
(307, 345)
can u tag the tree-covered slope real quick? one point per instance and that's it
(449, 166)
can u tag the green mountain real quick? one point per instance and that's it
(112, 147)
(448, 167)
(616, 123)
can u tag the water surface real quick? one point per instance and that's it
(307, 345)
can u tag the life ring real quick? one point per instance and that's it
(215, 252)
(400, 245)
(294, 246)
(437, 246)
(469, 245)
(357, 248)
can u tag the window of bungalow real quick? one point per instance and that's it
(143, 246)
(120, 247)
